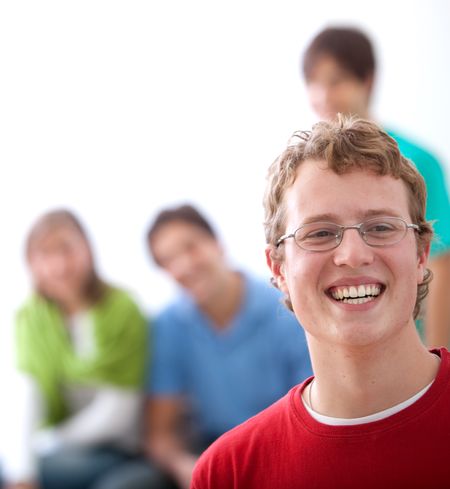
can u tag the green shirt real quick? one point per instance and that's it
(45, 351)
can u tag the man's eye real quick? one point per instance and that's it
(320, 234)
(380, 227)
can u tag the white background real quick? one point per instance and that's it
(115, 109)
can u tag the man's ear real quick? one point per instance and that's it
(422, 263)
(277, 268)
(369, 83)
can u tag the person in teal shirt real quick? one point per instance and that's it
(339, 68)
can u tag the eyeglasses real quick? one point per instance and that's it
(324, 236)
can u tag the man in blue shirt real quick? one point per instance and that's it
(225, 349)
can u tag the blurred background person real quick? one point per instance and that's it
(225, 349)
(339, 68)
(81, 347)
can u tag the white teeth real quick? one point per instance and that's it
(354, 294)
(359, 300)
(353, 291)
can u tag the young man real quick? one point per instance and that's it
(339, 68)
(347, 244)
(224, 350)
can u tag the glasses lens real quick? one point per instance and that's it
(318, 236)
(383, 231)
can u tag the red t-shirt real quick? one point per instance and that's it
(283, 447)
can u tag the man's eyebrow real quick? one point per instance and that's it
(367, 214)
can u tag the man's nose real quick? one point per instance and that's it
(353, 251)
(181, 266)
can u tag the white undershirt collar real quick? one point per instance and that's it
(329, 420)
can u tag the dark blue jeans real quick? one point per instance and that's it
(99, 468)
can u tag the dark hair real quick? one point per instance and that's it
(94, 287)
(184, 213)
(350, 47)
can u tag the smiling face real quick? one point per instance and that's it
(332, 89)
(191, 256)
(353, 294)
(61, 265)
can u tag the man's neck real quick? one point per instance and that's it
(223, 306)
(352, 383)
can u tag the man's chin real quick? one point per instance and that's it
(200, 295)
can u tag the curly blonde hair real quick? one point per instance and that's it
(346, 144)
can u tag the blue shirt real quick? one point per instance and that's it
(229, 374)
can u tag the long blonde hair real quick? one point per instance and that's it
(94, 287)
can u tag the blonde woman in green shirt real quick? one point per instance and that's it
(81, 347)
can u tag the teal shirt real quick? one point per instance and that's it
(438, 206)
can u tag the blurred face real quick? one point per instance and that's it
(191, 257)
(61, 265)
(332, 89)
(353, 294)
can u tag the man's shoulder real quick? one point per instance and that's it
(266, 300)
(260, 285)
(420, 156)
